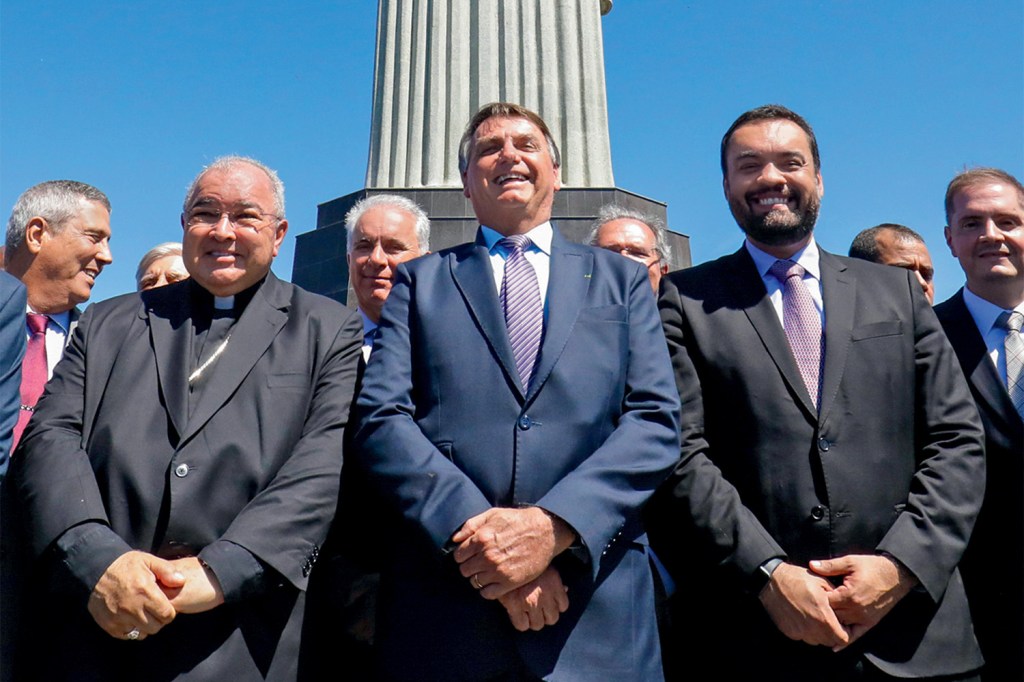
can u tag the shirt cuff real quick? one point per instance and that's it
(238, 571)
(85, 552)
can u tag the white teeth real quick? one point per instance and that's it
(771, 201)
(510, 176)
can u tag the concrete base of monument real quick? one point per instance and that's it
(320, 265)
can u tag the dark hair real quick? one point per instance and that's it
(771, 112)
(979, 176)
(504, 110)
(865, 244)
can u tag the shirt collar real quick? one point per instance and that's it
(368, 324)
(62, 320)
(540, 236)
(806, 257)
(985, 313)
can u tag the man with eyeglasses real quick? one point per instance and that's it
(635, 235)
(183, 467)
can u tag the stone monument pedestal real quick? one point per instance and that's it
(320, 264)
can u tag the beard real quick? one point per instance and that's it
(777, 228)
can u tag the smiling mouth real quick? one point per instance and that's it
(510, 177)
(771, 200)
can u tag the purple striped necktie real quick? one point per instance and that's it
(1014, 348)
(802, 323)
(520, 298)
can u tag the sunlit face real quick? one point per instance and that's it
(511, 178)
(384, 237)
(634, 240)
(911, 255)
(226, 258)
(986, 234)
(771, 183)
(163, 271)
(69, 261)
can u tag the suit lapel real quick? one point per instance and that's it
(569, 278)
(471, 270)
(250, 337)
(970, 348)
(839, 293)
(170, 331)
(766, 323)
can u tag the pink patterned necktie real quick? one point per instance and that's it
(33, 372)
(802, 323)
(520, 298)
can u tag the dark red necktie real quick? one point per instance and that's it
(33, 372)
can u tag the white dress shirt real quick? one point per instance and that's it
(58, 327)
(807, 258)
(985, 314)
(538, 255)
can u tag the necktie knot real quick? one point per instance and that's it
(516, 242)
(1011, 321)
(37, 322)
(782, 270)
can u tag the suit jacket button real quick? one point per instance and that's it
(818, 513)
(525, 423)
(824, 444)
(181, 471)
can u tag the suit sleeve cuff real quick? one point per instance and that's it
(238, 571)
(84, 553)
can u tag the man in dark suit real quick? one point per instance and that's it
(183, 464)
(832, 460)
(515, 476)
(985, 232)
(57, 244)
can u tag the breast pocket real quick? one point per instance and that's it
(288, 380)
(877, 330)
(604, 313)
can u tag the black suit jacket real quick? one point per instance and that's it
(993, 566)
(256, 464)
(892, 463)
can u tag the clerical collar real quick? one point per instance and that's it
(234, 305)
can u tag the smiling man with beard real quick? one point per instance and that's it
(832, 463)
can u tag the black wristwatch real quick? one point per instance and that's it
(763, 575)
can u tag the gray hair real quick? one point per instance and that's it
(390, 201)
(610, 212)
(156, 253)
(56, 201)
(226, 162)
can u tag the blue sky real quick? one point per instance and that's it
(134, 97)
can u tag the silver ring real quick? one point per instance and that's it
(132, 634)
(475, 582)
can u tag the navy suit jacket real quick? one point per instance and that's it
(993, 565)
(447, 431)
(12, 348)
(891, 462)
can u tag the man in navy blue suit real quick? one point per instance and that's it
(514, 470)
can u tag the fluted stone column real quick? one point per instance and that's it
(438, 61)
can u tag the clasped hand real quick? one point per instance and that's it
(506, 555)
(808, 608)
(140, 591)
